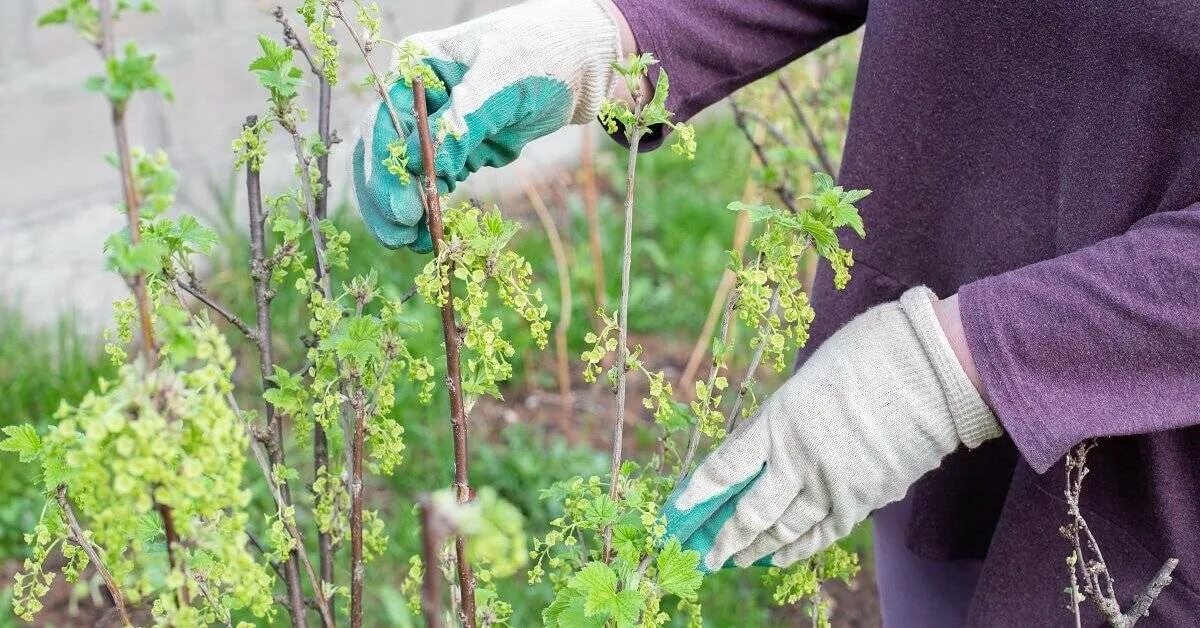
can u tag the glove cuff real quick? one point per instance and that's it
(587, 41)
(973, 419)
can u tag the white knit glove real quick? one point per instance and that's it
(511, 76)
(877, 406)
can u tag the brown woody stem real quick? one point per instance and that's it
(458, 415)
(431, 582)
(77, 536)
(321, 209)
(261, 277)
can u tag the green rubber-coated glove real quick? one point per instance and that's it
(512, 76)
(877, 406)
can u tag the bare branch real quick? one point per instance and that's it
(1094, 581)
(635, 138)
(198, 292)
(79, 537)
(458, 414)
(813, 139)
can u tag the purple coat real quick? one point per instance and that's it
(1042, 159)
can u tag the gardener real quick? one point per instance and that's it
(1038, 164)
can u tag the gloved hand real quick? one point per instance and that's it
(512, 76)
(876, 407)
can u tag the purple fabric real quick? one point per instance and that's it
(916, 592)
(1043, 160)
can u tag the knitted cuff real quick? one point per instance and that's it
(589, 34)
(973, 419)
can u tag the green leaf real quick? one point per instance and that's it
(597, 583)
(601, 511)
(822, 235)
(822, 181)
(128, 259)
(854, 196)
(678, 571)
(275, 70)
(845, 214)
(576, 616)
(128, 73)
(758, 213)
(22, 440)
(196, 237)
(57, 15)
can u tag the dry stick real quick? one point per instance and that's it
(431, 584)
(321, 208)
(261, 277)
(591, 202)
(1103, 597)
(458, 415)
(78, 537)
(818, 147)
(566, 397)
(635, 138)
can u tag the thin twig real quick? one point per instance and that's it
(562, 358)
(357, 567)
(1098, 585)
(137, 283)
(129, 190)
(208, 597)
(713, 369)
(755, 360)
(780, 188)
(258, 547)
(813, 138)
(741, 233)
(200, 294)
(264, 465)
(635, 138)
(321, 209)
(380, 87)
(80, 538)
(458, 415)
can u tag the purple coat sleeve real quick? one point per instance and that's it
(712, 47)
(1104, 341)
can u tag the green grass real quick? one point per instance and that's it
(40, 366)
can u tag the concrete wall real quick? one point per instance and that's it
(59, 193)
